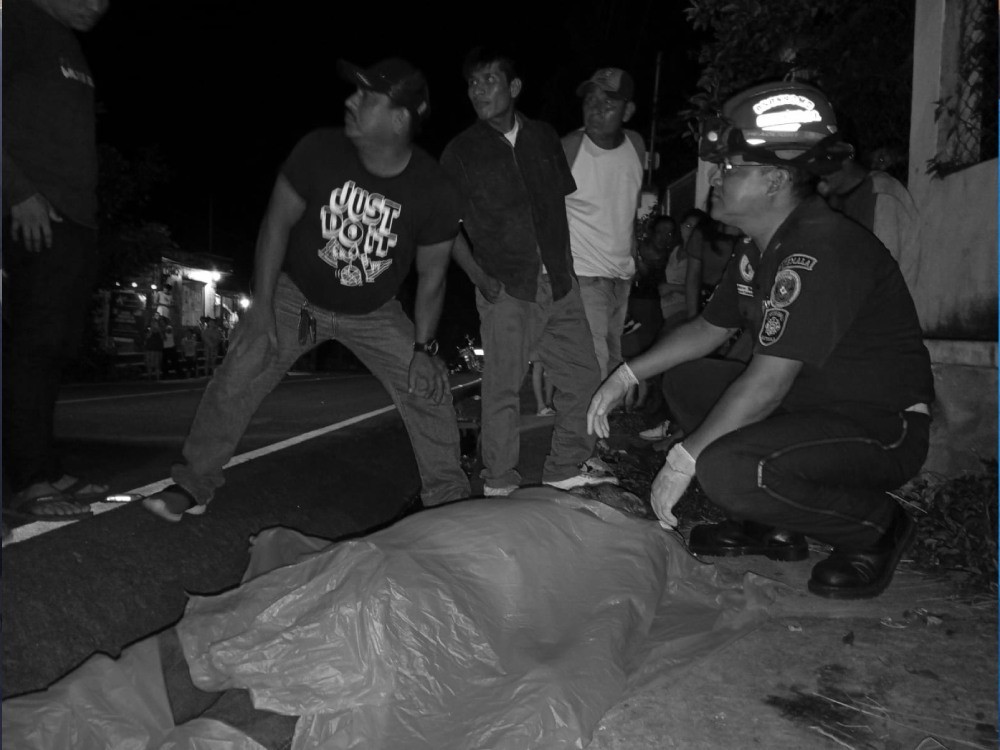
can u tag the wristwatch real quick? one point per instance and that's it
(427, 347)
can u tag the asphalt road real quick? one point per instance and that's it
(343, 467)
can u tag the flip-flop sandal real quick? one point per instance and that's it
(32, 510)
(156, 505)
(75, 491)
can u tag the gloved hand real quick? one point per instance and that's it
(671, 483)
(612, 390)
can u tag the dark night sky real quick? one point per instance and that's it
(226, 88)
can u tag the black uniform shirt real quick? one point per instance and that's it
(827, 293)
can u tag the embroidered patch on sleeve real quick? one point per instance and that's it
(786, 288)
(798, 260)
(772, 326)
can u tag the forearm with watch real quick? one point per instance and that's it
(428, 376)
(427, 312)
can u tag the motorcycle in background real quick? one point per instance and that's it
(470, 356)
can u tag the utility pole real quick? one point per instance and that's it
(211, 221)
(651, 162)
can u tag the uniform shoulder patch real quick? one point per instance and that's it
(786, 288)
(772, 326)
(798, 260)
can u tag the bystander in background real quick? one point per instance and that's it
(189, 346)
(606, 162)
(211, 338)
(152, 346)
(881, 204)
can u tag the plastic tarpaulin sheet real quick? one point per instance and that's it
(503, 624)
(111, 704)
(511, 623)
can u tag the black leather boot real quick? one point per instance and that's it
(862, 574)
(736, 538)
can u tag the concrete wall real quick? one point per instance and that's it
(956, 281)
(964, 427)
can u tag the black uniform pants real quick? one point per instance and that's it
(822, 473)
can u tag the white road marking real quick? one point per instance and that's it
(36, 528)
(199, 389)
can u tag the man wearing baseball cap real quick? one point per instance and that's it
(351, 211)
(606, 161)
(832, 411)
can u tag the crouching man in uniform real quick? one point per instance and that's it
(832, 410)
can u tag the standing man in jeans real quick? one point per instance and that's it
(513, 177)
(607, 162)
(832, 412)
(50, 249)
(351, 211)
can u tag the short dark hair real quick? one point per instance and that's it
(696, 213)
(483, 56)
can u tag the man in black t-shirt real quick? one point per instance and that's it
(832, 411)
(350, 212)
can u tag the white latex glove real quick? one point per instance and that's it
(671, 483)
(612, 391)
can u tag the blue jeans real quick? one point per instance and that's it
(825, 473)
(382, 340)
(606, 303)
(556, 333)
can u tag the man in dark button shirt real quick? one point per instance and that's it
(832, 410)
(351, 212)
(513, 177)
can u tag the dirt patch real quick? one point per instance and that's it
(818, 682)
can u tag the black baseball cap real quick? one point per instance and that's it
(404, 84)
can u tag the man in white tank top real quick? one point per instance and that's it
(607, 163)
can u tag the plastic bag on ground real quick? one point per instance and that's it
(104, 703)
(207, 734)
(480, 624)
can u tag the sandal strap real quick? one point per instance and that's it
(178, 490)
